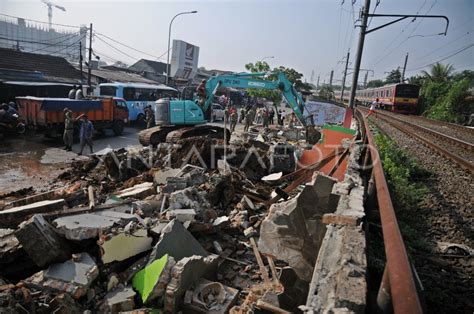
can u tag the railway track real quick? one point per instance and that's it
(455, 149)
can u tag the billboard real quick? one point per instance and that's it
(184, 60)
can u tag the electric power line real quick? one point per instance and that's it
(36, 42)
(55, 44)
(444, 58)
(47, 23)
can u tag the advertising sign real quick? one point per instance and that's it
(184, 60)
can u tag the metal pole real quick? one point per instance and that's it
(169, 39)
(365, 78)
(80, 59)
(404, 68)
(360, 48)
(344, 77)
(330, 78)
(317, 84)
(89, 89)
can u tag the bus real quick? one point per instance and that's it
(138, 96)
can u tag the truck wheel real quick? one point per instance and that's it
(118, 127)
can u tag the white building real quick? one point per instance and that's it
(18, 34)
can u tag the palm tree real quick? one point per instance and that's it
(438, 72)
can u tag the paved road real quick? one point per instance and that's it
(33, 160)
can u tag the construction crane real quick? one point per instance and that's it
(50, 6)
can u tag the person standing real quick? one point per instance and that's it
(233, 118)
(242, 115)
(72, 92)
(373, 107)
(249, 119)
(265, 117)
(201, 92)
(68, 129)
(149, 117)
(271, 114)
(85, 135)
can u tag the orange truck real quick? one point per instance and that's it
(47, 114)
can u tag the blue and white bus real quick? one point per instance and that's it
(137, 96)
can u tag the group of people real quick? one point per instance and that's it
(85, 134)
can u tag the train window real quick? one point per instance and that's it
(409, 91)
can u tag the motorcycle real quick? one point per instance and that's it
(11, 123)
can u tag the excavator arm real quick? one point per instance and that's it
(250, 80)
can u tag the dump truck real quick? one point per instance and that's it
(46, 115)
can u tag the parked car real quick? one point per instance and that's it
(217, 112)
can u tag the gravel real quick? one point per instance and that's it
(447, 215)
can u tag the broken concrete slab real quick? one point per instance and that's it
(182, 215)
(41, 242)
(14, 216)
(73, 276)
(138, 191)
(186, 272)
(151, 281)
(175, 184)
(88, 226)
(118, 300)
(118, 247)
(177, 242)
(210, 297)
(160, 176)
(283, 235)
(188, 198)
(338, 283)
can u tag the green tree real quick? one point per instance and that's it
(439, 73)
(326, 92)
(416, 79)
(375, 83)
(262, 66)
(452, 106)
(294, 77)
(393, 77)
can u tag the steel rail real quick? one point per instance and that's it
(402, 284)
(466, 164)
(442, 136)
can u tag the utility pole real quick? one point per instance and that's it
(365, 78)
(89, 89)
(330, 78)
(363, 31)
(344, 77)
(404, 68)
(317, 84)
(80, 58)
(360, 47)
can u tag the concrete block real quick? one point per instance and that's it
(118, 247)
(118, 300)
(188, 198)
(41, 242)
(185, 273)
(88, 226)
(283, 235)
(11, 218)
(138, 191)
(182, 215)
(161, 175)
(175, 184)
(177, 242)
(73, 276)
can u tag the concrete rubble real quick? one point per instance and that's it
(192, 233)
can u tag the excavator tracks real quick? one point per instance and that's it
(172, 134)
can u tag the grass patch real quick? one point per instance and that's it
(404, 177)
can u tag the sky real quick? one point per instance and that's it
(311, 36)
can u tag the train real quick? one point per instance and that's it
(400, 98)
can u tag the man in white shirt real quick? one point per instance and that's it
(372, 108)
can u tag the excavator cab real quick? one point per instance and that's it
(178, 112)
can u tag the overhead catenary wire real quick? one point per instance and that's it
(55, 44)
(443, 58)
